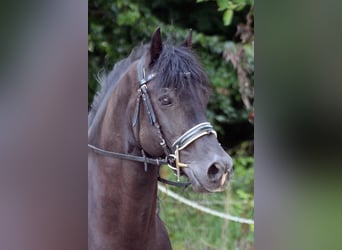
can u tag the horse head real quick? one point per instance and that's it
(177, 92)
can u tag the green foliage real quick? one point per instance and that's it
(229, 7)
(228, 16)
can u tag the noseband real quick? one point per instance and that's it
(172, 155)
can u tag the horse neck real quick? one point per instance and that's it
(122, 196)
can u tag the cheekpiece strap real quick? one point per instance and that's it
(142, 92)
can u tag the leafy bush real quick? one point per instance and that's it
(115, 28)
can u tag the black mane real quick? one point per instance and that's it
(178, 67)
(108, 81)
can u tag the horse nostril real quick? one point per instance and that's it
(214, 171)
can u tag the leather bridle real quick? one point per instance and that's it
(172, 155)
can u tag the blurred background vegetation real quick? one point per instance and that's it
(223, 38)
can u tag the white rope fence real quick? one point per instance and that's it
(202, 208)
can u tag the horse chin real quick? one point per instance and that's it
(200, 187)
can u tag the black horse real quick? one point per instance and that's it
(149, 112)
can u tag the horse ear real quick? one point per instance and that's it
(188, 41)
(156, 46)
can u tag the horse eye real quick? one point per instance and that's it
(165, 100)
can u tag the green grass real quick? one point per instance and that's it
(190, 229)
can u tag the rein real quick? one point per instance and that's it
(142, 159)
(172, 160)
